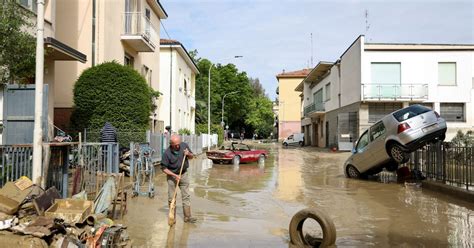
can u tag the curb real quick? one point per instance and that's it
(459, 193)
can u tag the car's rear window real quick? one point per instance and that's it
(410, 112)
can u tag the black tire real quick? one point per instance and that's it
(261, 159)
(352, 172)
(301, 143)
(442, 137)
(296, 228)
(285, 144)
(398, 153)
(236, 160)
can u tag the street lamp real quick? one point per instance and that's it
(209, 105)
(223, 101)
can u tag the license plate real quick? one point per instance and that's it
(430, 128)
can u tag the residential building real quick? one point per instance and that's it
(289, 111)
(17, 102)
(341, 99)
(177, 105)
(124, 31)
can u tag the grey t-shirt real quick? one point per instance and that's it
(172, 160)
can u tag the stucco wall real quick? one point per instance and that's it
(74, 27)
(289, 99)
(351, 73)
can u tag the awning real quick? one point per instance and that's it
(60, 51)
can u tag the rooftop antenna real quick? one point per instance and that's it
(311, 50)
(367, 24)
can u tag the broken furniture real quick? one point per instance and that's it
(119, 199)
(70, 210)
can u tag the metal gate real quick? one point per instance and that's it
(346, 130)
(19, 113)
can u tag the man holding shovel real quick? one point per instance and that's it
(174, 164)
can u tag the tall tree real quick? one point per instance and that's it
(245, 109)
(17, 46)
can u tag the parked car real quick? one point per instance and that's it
(388, 142)
(294, 139)
(237, 153)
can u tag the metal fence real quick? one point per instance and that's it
(159, 142)
(16, 161)
(444, 162)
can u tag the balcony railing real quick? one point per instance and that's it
(139, 32)
(394, 92)
(314, 108)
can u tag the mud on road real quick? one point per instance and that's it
(251, 206)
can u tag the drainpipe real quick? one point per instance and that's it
(93, 30)
(38, 130)
(171, 86)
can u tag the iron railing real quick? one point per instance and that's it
(444, 162)
(314, 107)
(16, 161)
(394, 91)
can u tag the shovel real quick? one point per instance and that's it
(171, 214)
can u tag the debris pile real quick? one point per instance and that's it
(34, 217)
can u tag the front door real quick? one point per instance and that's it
(315, 135)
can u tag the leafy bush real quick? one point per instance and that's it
(114, 93)
(184, 131)
(215, 128)
(463, 140)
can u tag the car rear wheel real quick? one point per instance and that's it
(285, 144)
(352, 172)
(301, 143)
(236, 160)
(397, 153)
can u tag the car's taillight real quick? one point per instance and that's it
(403, 127)
(437, 115)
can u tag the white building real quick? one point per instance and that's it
(342, 99)
(177, 84)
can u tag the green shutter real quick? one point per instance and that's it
(447, 73)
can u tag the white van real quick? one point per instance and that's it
(294, 139)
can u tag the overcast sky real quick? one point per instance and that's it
(273, 35)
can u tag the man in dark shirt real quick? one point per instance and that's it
(171, 165)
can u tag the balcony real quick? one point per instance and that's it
(139, 33)
(314, 109)
(394, 92)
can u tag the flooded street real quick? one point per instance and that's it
(251, 206)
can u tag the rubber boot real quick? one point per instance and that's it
(187, 215)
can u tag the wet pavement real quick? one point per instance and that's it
(251, 206)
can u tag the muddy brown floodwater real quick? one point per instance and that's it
(251, 206)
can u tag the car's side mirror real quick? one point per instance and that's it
(354, 151)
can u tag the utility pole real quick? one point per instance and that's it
(38, 131)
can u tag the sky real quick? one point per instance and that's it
(275, 35)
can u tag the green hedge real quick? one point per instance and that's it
(113, 93)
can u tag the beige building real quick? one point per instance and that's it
(177, 105)
(289, 111)
(17, 103)
(126, 31)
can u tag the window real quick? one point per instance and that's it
(363, 142)
(447, 73)
(386, 73)
(377, 130)
(378, 110)
(128, 60)
(185, 86)
(410, 112)
(30, 5)
(424, 104)
(453, 112)
(318, 96)
(328, 91)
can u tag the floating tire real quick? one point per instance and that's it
(298, 239)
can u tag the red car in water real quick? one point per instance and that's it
(237, 153)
